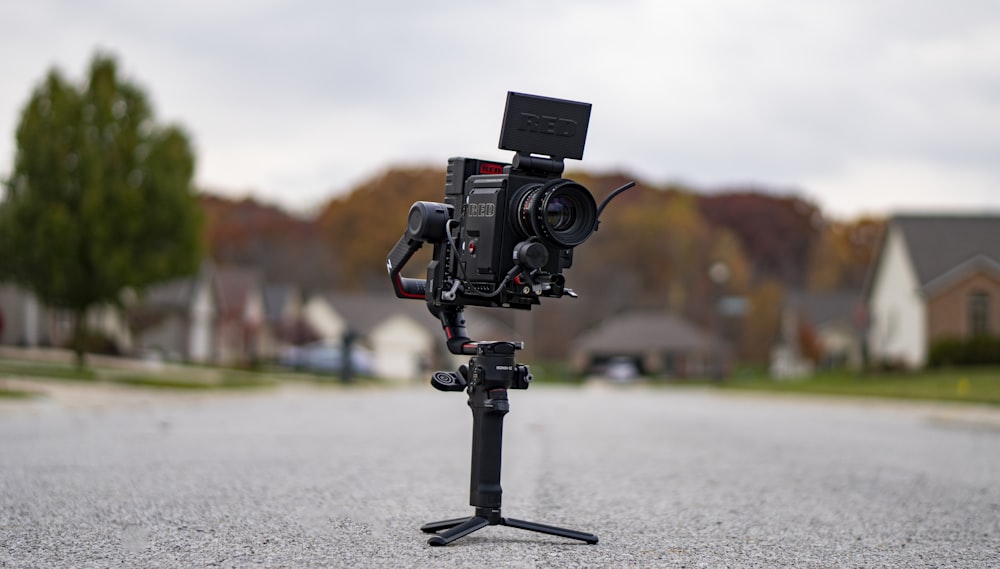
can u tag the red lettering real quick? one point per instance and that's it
(490, 168)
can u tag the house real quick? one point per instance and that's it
(818, 329)
(398, 334)
(241, 334)
(406, 341)
(935, 277)
(284, 310)
(27, 322)
(176, 319)
(657, 343)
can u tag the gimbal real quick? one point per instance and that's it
(491, 371)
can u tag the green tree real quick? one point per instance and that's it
(100, 199)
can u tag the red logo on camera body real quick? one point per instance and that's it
(490, 168)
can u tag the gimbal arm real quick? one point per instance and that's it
(416, 234)
(453, 323)
(405, 287)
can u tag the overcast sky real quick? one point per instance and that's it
(864, 106)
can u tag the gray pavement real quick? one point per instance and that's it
(306, 476)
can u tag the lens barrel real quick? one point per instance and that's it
(559, 212)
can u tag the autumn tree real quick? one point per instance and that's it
(778, 233)
(100, 198)
(285, 247)
(362, 227)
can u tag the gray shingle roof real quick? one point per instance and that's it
(822, 308)
(640, 332)
(939, 243)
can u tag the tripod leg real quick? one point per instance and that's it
(461, 530)
(551, 530)
(434, 527)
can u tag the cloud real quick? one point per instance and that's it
(881, 187)
(298, 99)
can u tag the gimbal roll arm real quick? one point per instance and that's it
(413, 239)
(403, 286)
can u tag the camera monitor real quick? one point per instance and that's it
(541, 125)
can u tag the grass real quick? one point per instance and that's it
(228, 380)
(12, 393)
(974, 385)
(45, 370)
(174, 378)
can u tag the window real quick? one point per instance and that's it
(979, 313)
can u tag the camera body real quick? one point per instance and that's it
(517, 219)
(505, 231)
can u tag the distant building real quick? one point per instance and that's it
(175, 320)
(29, 323)
(406, 342)
(659, 344)
(818, 330)
(936, 277)
(241, 334)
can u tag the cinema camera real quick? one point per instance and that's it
(505, 232)
(502, 238)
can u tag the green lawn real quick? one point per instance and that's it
(192, 377)
(977, 385)
(18, 368)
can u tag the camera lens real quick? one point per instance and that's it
(560, 212)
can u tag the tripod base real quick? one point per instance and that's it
(450, 530)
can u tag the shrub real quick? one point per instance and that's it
(975, 350)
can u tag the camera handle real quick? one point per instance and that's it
(490, 373)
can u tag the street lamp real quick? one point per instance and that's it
(718, 273)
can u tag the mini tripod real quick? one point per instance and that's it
(491, 371)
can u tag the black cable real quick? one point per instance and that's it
(610, 197)
(472, 290)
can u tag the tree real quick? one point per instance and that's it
(100, 199)
(362, 227)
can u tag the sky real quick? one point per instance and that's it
(862, 106)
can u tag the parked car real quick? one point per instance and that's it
(621, 370)
(325, 358)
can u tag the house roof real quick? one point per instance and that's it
(822, 308)
(939, 243)
(173, 294)
(641, 332)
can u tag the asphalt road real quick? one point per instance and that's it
(324, 477)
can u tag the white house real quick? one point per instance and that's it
(398, 333)
(402, 347)
(936, 277)
(405, 340)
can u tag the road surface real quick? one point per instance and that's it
(307, 476)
